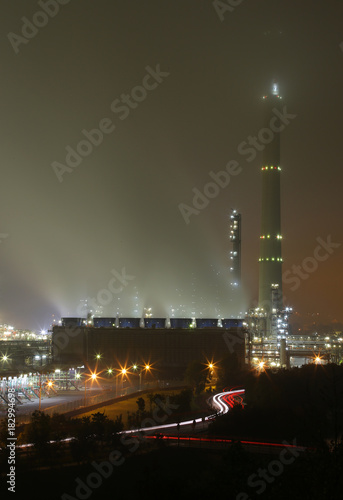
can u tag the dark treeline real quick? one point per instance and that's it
(302, 403)
(59, 439)
(161, 409)
(48, 435)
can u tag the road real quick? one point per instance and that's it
(183, 433)
(221, 402)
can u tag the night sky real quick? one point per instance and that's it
(119, 208)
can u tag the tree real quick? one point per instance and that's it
(39, 432)
(150, 397)
(99, 423)
(3, 433)
(83, 446)
(60, 427)
(195, 375)
(141, 405)
(183, 400)
(230, 371)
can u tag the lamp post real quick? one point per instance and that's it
(92, 377)
(146, 368)
(261, 366)
(210, 373)
(40, 391)
(110, 371)
(85, 391)
(122, 372)
(49, 384)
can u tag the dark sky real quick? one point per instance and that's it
(120, 207)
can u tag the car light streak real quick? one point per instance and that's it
(218, 401)
(222, 401)
(230, 441)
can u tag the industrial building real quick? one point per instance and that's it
(168, 350)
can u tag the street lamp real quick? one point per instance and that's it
(5, 358)
(92, 377)
(122, 372)
(110, 373)
(40, 391)
(261, 366)
(146, 367)
(211, 368)
(50, 385)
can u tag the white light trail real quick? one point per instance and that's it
(218, 402)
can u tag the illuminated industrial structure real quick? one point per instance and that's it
(235, 252)
(171, 348)
(270, 320)
(296, 350)
(270, 260)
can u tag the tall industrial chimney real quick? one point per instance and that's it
(235, 253)
(270, 261)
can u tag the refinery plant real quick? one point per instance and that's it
(264, 331)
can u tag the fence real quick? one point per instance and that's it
(106, 396)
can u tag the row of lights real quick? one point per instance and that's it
(261, 365)
(278, 237)
(278, 259)
(271, 168)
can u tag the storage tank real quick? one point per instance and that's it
(206, 323)
(154, 322)
(129, 322)
(73, 321)
(180, 322)
(232, 323)
(104, 322)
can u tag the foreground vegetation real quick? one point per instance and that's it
(302, 403)
(302, 406)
